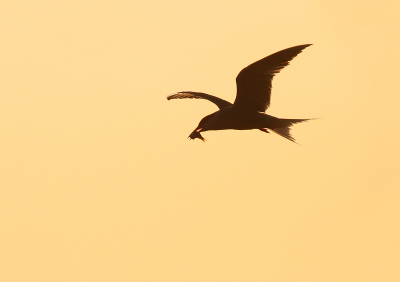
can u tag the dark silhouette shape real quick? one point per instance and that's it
(252, 99)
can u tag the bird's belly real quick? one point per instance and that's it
(248, 122)
(238, 121)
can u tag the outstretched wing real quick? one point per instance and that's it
(255, 81)
(198, 95)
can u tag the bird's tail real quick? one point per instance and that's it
(282, 127)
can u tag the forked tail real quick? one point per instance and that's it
(283, 127)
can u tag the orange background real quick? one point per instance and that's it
(99, 183)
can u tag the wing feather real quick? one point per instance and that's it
(199, 95)
(255, 81)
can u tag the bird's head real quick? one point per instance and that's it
(201, 127)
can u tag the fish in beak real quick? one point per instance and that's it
(196, 134)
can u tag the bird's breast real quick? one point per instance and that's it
(234, 119)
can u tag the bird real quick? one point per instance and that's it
(253, 96)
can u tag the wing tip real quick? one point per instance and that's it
(171, 96)
(301, 47)
(179, 94)
(305, 45)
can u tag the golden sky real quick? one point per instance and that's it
(99, 183)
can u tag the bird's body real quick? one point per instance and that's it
(232, 118)
(252, 99)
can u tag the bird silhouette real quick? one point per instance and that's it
(253, 97)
